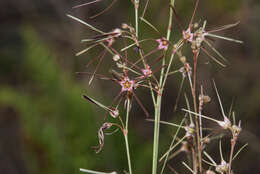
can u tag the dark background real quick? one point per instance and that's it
(45, 125)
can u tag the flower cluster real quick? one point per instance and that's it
(149, 69)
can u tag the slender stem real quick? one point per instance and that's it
(126, 136)
(233, 143)
(195, 110)
(136, 3)
(156, 134)
(158, 101)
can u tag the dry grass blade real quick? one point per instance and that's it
(85, 4)
(186, 165)
(225, 38)
(84, 23)
(239, 151)
(93, 172)
(149, 24)
(216, 51)
(219, 100)
(100, 13)
(224, 27)
(85, 50)
(212, 57)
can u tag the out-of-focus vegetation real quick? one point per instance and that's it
(45, 125)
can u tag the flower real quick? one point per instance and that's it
(163, 43)
(223, 167)
(127, 84)
(147, 71)
(187, 35)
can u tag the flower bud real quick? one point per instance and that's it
(225, 124)
(223, 167)
(116, 57)
(114, 112)
(183, 59)
(124, 26)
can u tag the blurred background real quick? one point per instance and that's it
(45, 125)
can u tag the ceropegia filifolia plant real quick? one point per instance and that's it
(151, 72)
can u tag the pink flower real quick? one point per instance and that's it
(187, 35)
(163, 43)
(127, 84)
(147, 71)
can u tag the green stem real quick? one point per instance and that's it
(126, 137)
(158, 101)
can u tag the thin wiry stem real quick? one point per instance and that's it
(158, 101)
(126, 136)
(233, 143)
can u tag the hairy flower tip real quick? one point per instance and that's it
(204, 98)
(174, 48)
(223, 167)
(183, 59)
(199, 39)
(147, 72)
(127, 84)
(190, 130)
(117, 32)
(210, 172)
(187, 35)
(186, 70)
(236, 129)
(124, 26)
(116, 57)
(225, 124)
(196, 25)
(114, 112)
(206, 140)
(120, 65)
(163, 43)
